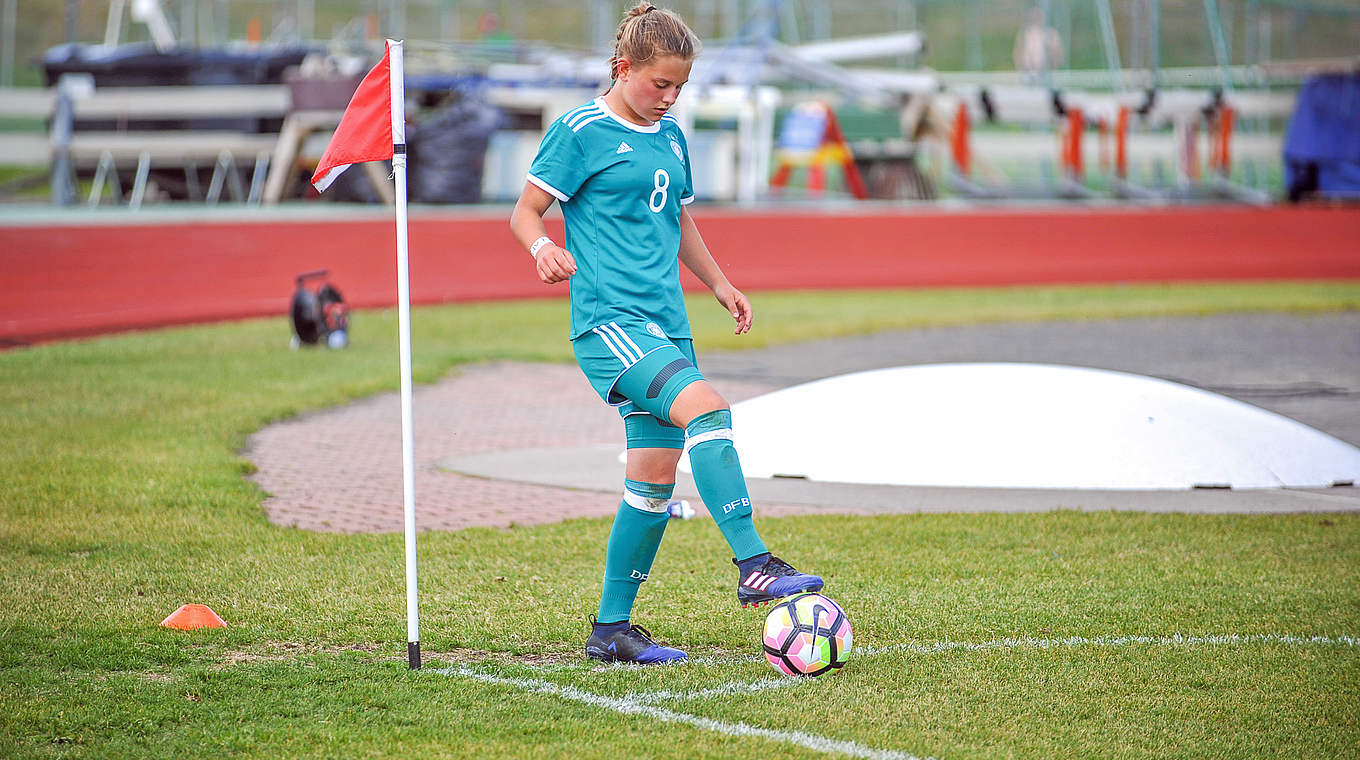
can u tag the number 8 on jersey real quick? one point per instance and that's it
(661, 180)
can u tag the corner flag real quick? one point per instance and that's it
(372, 124)
(373, 128)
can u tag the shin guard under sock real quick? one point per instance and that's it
(633, 541)
(717, 473)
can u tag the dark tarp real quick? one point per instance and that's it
(448, 151)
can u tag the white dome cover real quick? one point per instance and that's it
(1011, 425)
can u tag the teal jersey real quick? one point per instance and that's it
(621, 186)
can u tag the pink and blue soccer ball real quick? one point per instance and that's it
(807, 635)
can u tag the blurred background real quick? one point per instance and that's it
(140, 102)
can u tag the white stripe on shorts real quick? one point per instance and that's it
(624, 335)
(609, 343)
(619, 338)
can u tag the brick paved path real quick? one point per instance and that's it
(340, 469)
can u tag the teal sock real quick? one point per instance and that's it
(717, 473)
(633, 541)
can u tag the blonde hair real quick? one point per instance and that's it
(649, 32)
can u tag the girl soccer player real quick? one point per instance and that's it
(620, 168)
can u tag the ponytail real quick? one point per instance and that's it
(649, 32)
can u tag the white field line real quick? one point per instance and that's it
(730, 689)
(1110, 641)
(938, 647)
(632, 707)
(641, 703)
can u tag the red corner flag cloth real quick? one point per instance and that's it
(365, 131)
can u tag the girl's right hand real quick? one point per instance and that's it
(555, 264)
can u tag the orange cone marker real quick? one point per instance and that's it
(192, 616)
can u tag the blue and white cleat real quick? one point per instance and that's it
(761, 583)
(630, 644)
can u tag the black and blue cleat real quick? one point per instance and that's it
(767, 578)
(620, 642)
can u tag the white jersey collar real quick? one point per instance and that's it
(654, 128)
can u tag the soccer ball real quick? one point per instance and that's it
(807, 635)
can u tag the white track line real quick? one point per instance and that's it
(633, 707)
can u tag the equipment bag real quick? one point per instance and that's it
(319, 312)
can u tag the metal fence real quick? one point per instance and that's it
(973, 35)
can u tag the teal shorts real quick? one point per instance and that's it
(635, 367)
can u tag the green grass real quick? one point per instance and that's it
(124, 497)
(790, 316)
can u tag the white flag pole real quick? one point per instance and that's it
(404, 329)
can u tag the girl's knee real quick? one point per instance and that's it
(697, 399)
(652, 465)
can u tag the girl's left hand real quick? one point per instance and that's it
(737, 305)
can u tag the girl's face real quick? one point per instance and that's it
(649, 91)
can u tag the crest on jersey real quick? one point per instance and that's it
(656, 330)
(680, 154)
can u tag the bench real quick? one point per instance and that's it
(130, 113)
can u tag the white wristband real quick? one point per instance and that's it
(533, 249)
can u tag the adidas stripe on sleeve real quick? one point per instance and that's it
(560, 166)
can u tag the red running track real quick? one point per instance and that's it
(66, 281)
